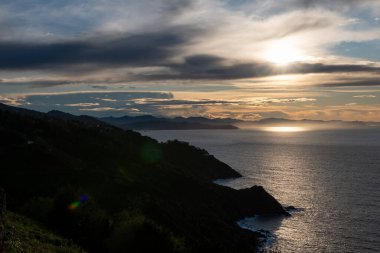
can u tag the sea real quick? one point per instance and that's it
(331, 177)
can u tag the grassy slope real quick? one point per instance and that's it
(24, 235)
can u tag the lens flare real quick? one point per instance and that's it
(76, 204)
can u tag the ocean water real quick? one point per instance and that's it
(331, 177)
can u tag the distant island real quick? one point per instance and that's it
(149, 122)
(78, 184)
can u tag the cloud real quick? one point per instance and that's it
(334, 3)
(121, 102)
(99, 87)
(115, 34)
(288, 100)
(82, 104)
(352, 82)
(147, 49)
(166, 104)
(274, 114)
(365, 96)
(185, 46)
(333, 68)
(179, 40)
(111, 109)
(345, 113)
(270, 6)
(56, 19)
(245, 101)
(11, 101)
(210, 67)
(156, 103)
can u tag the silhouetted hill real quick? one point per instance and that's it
(111, 190)
(149, 122)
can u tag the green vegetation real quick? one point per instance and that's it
(110, 190)
(24, 235)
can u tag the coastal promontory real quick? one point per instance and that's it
(114, 190)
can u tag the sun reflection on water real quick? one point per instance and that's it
(284, 129)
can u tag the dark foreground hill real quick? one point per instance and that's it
(110, 190)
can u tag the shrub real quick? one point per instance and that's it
(136, 233)
(39, 208)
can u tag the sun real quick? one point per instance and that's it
(283, 52)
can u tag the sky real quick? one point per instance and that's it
(295, 59)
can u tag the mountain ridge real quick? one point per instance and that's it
(150, 122)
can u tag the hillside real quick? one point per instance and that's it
(111, 190)
(25, 235)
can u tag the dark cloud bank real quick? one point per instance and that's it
(148, 50)
(135, 50)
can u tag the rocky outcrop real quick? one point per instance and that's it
(250, 197)
(248, 202)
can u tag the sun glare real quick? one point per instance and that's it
(283, 52)
(284, 129)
